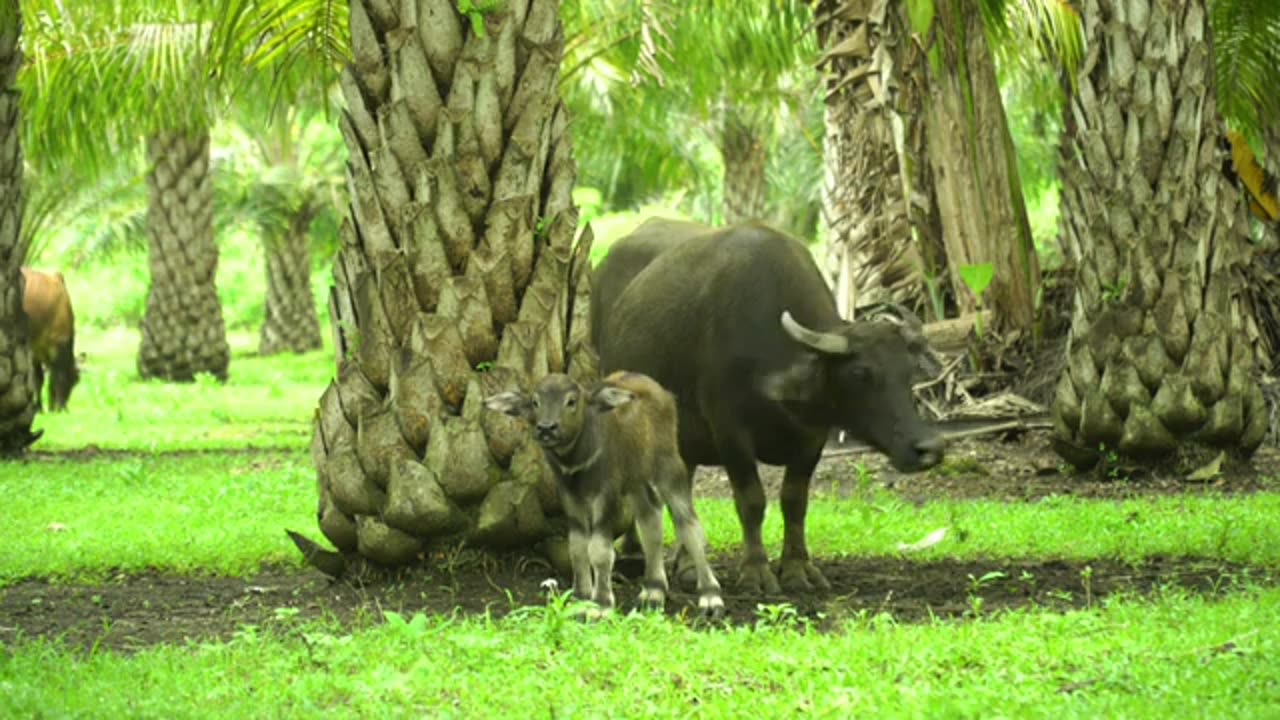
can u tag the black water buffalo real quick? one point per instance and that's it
(739, 324)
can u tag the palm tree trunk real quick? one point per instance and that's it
(18, 393)
(291, 324)
(984, 216)
(744, 150)
(458, 277)
(182, 330)
(1159, 360)
(881, 246)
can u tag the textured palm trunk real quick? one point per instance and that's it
(884, 234)
(291, 324)
(18, 393)
(182, 330)
(1159, 359)
(984, 216)
(744, 150)
(458, 277)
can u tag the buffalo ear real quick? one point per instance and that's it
(608, 397)
(512, 403)
(800, 382)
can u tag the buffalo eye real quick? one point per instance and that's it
(860, 373)
(571, 400)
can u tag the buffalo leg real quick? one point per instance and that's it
(798, 574)
(677, 494)
(39, 370)
(754, 575)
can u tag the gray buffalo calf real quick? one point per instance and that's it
(616, 459)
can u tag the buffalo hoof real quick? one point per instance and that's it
(756, 579)
(802, 576)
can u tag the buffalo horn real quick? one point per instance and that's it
(824, 342)
(909, 319)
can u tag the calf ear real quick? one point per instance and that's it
(609, 397)
(512, 403)
(800, 382)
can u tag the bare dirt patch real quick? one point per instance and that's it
(130, 613)
(1017, 467)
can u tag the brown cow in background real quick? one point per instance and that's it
(47, 305)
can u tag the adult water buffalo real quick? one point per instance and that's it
(47, 305)
(739, 324)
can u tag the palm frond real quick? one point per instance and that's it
(301, 44)
(1246, 46)
(101, 76)
(1027, 34)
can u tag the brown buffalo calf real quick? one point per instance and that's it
(47, 305)
(616, 463)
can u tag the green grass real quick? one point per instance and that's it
(209, 512)
(225, 513)
(1178, 656)
(266, 402)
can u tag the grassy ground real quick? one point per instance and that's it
(1179, 656)
(201, 479)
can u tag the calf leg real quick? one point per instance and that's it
(583, 585)
(679, 498)
(600, 551)
(798, 574)
(631, 555)
(653, 596)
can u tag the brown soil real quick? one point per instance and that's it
(1019, 467)
(131, 612)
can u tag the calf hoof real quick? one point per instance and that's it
(711, 607)
(802, 576)
(653, 599)
(592, 612)
(756, 578)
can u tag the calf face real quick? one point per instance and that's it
(557, 409)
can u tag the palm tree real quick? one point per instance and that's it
(458, 273)
(1159, 356)
(142, 73)
(17, 389)
(884, 234)
(921, 167)
(284, 174)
